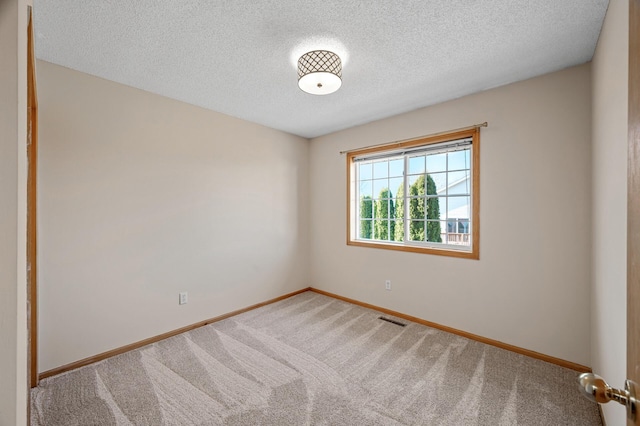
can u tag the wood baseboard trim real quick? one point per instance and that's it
(145, 342)
(150, 340)
(522, 351)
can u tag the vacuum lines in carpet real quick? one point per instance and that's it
(314, 360)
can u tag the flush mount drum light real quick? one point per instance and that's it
(319, 72)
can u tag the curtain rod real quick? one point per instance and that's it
(461, 129)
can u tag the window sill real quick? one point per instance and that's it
(448, 251)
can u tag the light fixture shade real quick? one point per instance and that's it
(319, 72)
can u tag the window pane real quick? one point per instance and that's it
(460, 236)
(417, 208)
(381, 169)
(396, 167)
(437, 163)
(416, 230)
(366, 208)
(365, 229)
(440, 179)
(459, 182)
(421, 185)
(435, 231)
(459, 207)
(399, 220)
(384, 210)
(416, 165)
(413, 179)
(380, 226)
(384, 229)
(379, 185)
(394, 185)
(366, 188)
(460, 160)
(365, 171)
(436, 208)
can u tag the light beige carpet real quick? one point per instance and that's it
(314, 360)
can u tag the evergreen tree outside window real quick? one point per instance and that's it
(366, 217)
(385, 216)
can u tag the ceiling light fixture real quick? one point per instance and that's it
(319, 72)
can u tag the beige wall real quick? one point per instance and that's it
(530, 287)
(610, 101)
(13, 179)
(142, 197)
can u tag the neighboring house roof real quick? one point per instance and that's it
(451, 185)
(461, 212)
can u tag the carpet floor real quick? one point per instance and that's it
(314, 360)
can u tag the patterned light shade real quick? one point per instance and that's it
(319, 72)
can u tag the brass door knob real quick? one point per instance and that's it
(597, 390)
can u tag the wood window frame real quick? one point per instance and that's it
(474, 251)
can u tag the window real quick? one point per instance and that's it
(420, 195)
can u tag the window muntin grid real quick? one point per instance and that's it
(437, 209)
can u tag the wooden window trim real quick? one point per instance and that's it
(32, 191)
(474, 253)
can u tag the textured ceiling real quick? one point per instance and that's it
(238, 56)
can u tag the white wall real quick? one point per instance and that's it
(530, 287)
(610, 71)
(13, 180)
(142, 197)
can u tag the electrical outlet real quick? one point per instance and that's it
(183, 298)
(387, 285)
